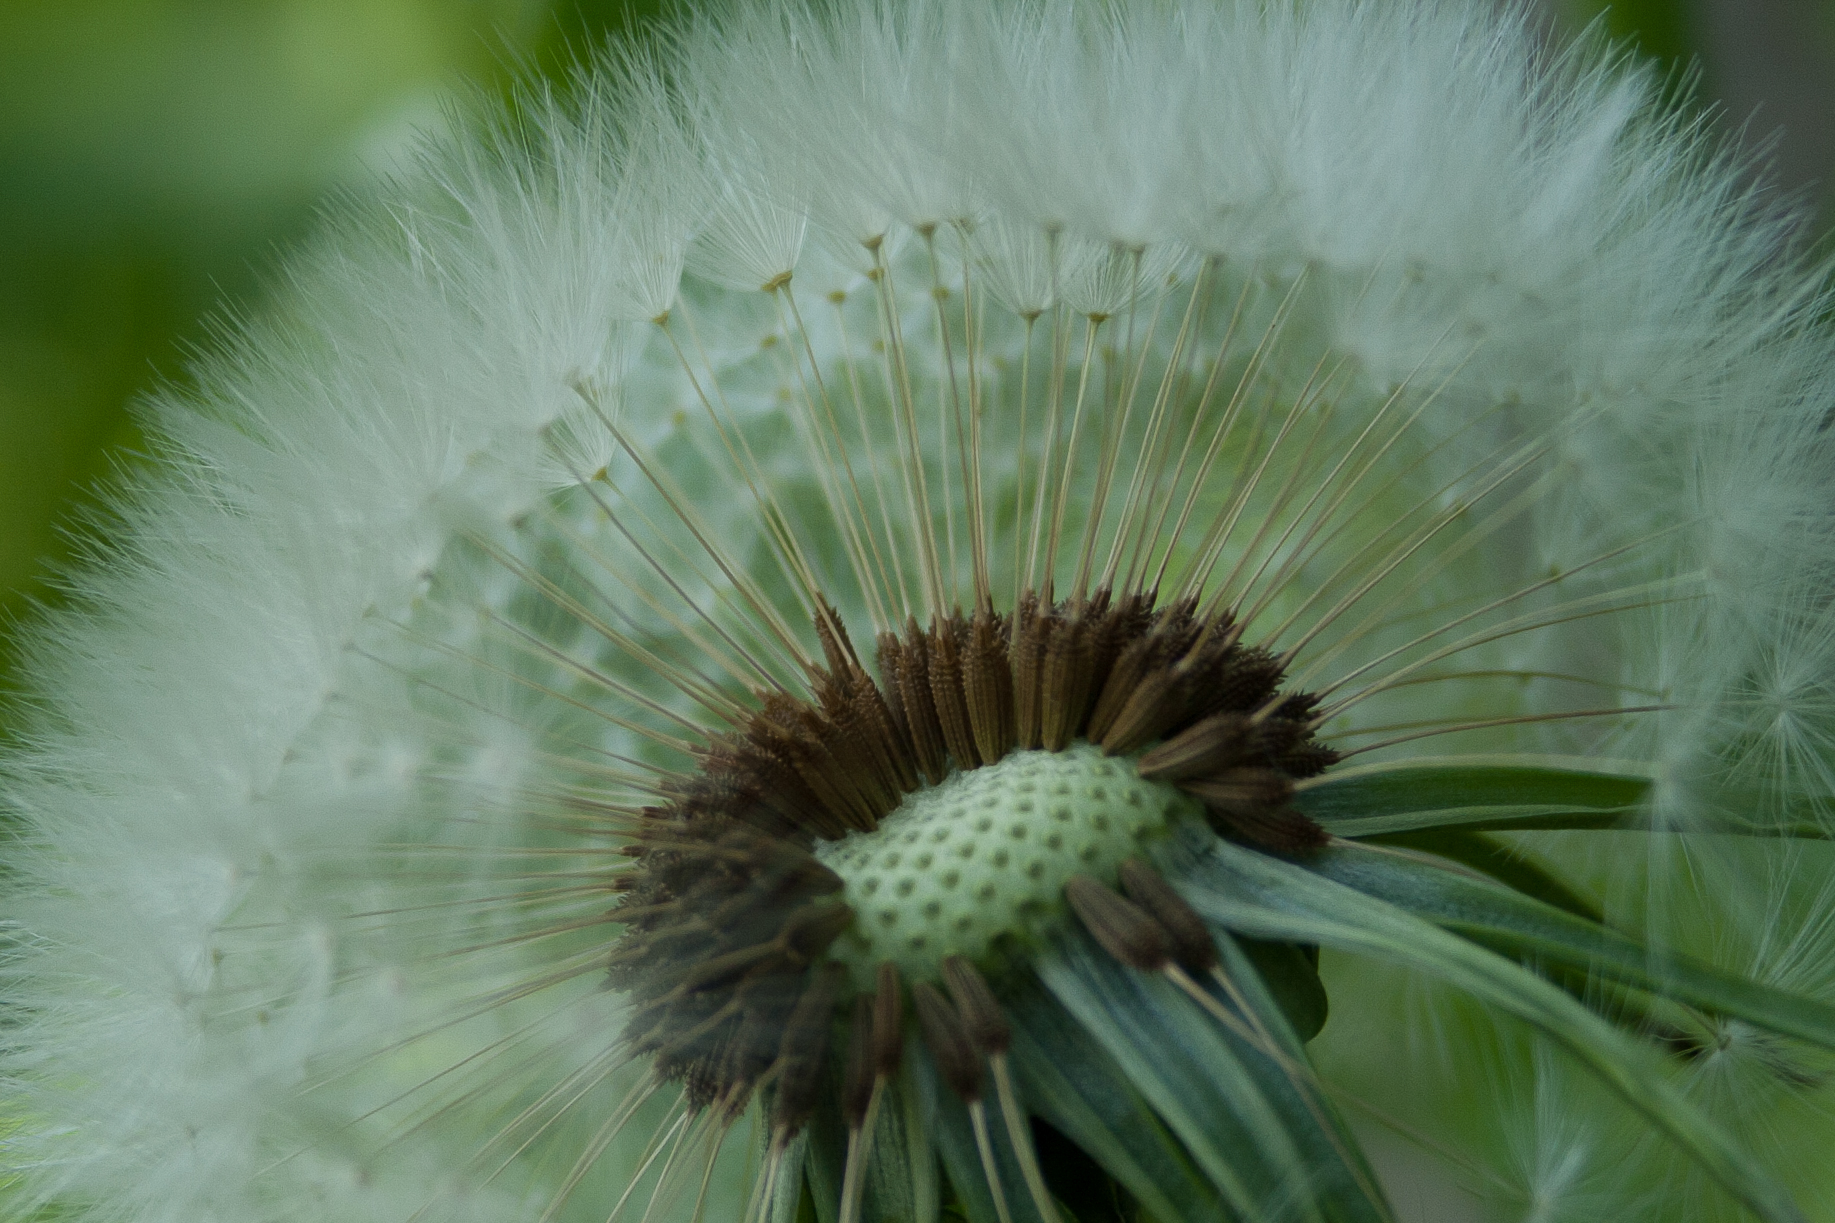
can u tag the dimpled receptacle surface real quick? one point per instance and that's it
(986, 854)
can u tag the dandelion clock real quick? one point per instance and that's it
(1050, 613)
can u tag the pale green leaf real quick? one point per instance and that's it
(1495, 797)
(1070, 1082)
(1530, 928)
(787, 1196)
(1269, 898)
(1233, 1108)
(1292, 980)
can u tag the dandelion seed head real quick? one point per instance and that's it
(472, 787)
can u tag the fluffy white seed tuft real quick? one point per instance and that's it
(326, 743)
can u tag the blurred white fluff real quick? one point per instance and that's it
(234, 726)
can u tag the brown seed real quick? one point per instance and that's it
(1217, 743)
(946, 678)
(911, 662)
(948, 1043)
(1027, 659)
(857, 1080)
(1116, 625)
(1192, 944)
(886, 733)
(797, 733)
(1252, 803)
(1123, 929)
(723, 970)
(987, 686)
(888, 1023)
(1154, 707)
(1241, 678)
(1242, 791)
(1283, 830)
(889, 649)
(1064, 687)
(804, 1045)
(1133, 661)
(856, 750)
(831, 631)
(981, 1014)
(807, 932)
(1307, 759)
(771, 772)
(748, 1054)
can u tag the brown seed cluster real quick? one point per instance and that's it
(728, 914)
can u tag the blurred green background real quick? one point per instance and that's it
(158, 156)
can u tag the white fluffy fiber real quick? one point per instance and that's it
(206, 746)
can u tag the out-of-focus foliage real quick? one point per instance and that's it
(1661, 29)
(1763, 68)
(155, 156)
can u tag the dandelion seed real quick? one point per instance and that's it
(880, 723)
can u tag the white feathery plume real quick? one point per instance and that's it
(1466, 406)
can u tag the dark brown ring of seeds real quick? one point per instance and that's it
(728, 915)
